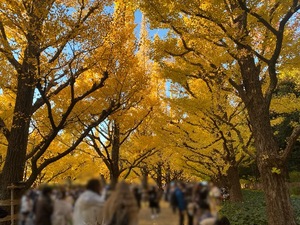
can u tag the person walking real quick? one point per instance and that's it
(44, 207)
(154, 202)
(88, 208)
(172, 197)
(181, 202)
(201, 193)
(121, 207)
(206, 217)
(62, 212)
(26, 208)
(138, 196)
(214, 198)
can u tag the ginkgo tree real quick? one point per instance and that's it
(212, 133)
(221, 146)
(56, 58)
(114, 140)
(246, 43)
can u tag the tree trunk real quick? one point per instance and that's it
(145, 175)
(168, 174)
(14, 165)
(114, 173)
(234, 184)
(113, 181)
(257, 102)
(279, 207)
(270, 165)
(159, 176)
(115, 155)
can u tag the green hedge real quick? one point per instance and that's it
(252, 211)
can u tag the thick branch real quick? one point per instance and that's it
(240, 90)
(107, 160)
(293, 9)
(258, 17)
(42, 147)
(279, 41)
(40, 101)
(48, 104)
(137, 161)
(291, 141)
(7, 49)
(5, 131)
(38, 169)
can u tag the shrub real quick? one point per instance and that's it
(252, 211)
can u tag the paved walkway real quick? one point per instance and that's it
(166, 217)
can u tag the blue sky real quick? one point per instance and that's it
(138, 16)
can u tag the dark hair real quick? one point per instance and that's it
(46, 190)
(223, 221)
(93, 185)
(61, 194)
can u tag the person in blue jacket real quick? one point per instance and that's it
(181, 202)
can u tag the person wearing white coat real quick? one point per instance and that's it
(88, 207)
(26, 208)
(62, 210)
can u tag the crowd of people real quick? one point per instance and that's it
(90, 206)
(195, 204)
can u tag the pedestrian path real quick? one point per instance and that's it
(166, 216)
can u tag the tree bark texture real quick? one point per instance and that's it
(115, 156)
(234, 184)
(278, 202)
(14, 165)
(271, 168)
